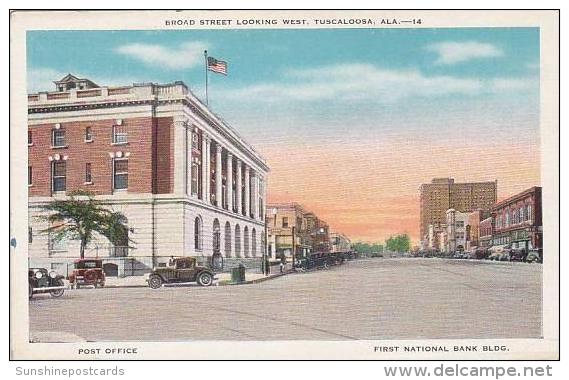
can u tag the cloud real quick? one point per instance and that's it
(184, 56)
(450, 52)
(513, 84)
(355, 82)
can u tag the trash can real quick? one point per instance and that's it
(238, 274)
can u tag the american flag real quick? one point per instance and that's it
(216, 66)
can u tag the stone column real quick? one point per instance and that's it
(247, 192)
(229, 182)
(218, 179)
(205, 167)
(254, 194)
(262, 194)
(238, 189)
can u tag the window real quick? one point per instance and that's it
(197, 234)
(58, 176)
(58, 138)
(120, 174)
(30, 235)
(30, 138)
(285, 222)
(88, 134)
(88, 178)
(195, 178)
(460, 223)
(120, 134)
(30, 176)
(530, 216)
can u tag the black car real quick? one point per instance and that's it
(518, 255)
(42, 281)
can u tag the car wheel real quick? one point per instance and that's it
(155, 282)
(58, 292)
(205, 279)
(31, 291)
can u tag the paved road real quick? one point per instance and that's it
(367, 299)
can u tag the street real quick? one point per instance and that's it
(362, 299)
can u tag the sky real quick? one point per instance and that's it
(350, 121)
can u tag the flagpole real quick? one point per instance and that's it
(206, 97)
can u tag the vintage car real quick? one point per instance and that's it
(180, 270)
(534, 256)
(87, 272)
(518, 255)
(42, 281)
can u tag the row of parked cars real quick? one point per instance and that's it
(505, 254)
(323, 260)
(86, 272)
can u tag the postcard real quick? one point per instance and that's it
(375, 185)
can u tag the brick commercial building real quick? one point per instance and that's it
(485, 233)
(518, 221)
(443, 194)
(311, 234)
(187, 182)
(473, 228)
(318, 233)
(287, 227)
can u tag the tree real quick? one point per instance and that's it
(367, 248)
(80, 216)
(398, 243)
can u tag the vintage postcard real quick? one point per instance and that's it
(370, 185)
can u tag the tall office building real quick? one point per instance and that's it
(443, 194)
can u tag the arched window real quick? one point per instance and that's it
(254, 242)
(237, 241)
(227, 239)
(246, 241)
(198, 234)
(216, 236)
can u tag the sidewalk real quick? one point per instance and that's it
(222, 279)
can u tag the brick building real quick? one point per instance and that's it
(518, 221)
(443, 194)
(186, 181)
(486, 232)
(311, 234)
(284, 220)
(473, 227)
(318, 233)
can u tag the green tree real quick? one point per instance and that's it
(398, 243)
(80, 216)
(367, 248)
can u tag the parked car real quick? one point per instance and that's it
(180, 270)
(42, 281)
(87, 272)
(534, 256)
(517, 255)
(481, 253)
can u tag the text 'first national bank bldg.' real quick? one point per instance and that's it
(187, 182)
